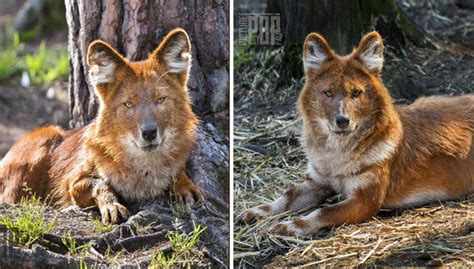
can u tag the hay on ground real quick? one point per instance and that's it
(268, 160)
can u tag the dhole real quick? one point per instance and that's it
(360, 145)
(134, 150)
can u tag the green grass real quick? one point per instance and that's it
(100, 227)
(143, 229)
(244, 52)
(244, 55)
(111, 258)
(46, 65)
(9, 55)
(178, 208)
(82, 265)
(43, 66)
(28, 226)
(181, 245)
(73, 247)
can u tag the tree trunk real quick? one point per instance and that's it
(135, 28)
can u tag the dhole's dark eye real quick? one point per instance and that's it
(161, 100)
(128, 104)
(328, 93)
(356, 93)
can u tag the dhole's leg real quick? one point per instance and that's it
(86, 192)
(303, 195)
(185, 190)
(357, 208)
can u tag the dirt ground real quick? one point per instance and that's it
(268, 158)
(22, 109)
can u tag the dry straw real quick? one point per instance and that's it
(268, 160)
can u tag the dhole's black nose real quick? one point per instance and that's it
(149, 132)
(342, 121)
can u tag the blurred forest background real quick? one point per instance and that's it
(429, 50)
(34, 67)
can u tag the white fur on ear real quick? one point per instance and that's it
(103, 71)
(315, 56)
(372, 57)
(176, 58)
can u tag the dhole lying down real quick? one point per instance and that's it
(134, 150)
(360, 145)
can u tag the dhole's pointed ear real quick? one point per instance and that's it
(370, 52)
(104, 63)
(316, 52)
(175, 52)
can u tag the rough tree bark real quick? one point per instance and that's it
(135, 28)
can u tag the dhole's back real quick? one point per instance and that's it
(27, 164)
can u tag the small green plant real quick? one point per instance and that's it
(182, 242)
(181, 245)
(143, 229)
(28, 225)
(9, 53)
(102, 228)
(245, 51)
(162, 260)
(179, 210)
(82, 264)
(73, 247)
(110, 258)
(46, 65)
(43, 66)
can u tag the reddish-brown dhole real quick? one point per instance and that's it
(360, 145)
(134, 150)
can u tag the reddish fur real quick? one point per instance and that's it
(433, 145)
(27, 164)
(65, 165)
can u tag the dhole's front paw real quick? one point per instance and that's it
(283, 228)
(188, 193)
(252, 215)
(291, 228)
(113, 213)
